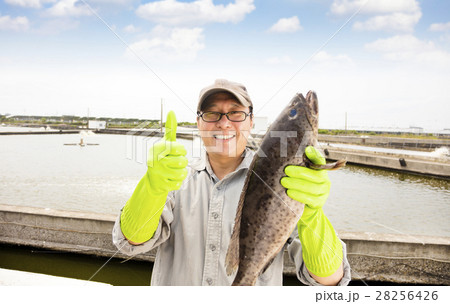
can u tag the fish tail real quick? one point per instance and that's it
(232, 257)
(330, 166)
(245, 279)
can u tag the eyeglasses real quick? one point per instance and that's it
(235, 116)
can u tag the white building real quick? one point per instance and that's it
(97, 124)
(416, 129)
(260, 125)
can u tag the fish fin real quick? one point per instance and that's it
(267, 266)
(272, 259)
(311, 99)
(232, 257)
(339, 164)
(330, 166)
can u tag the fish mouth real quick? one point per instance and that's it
(224, 137)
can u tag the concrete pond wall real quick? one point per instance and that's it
(389, 258)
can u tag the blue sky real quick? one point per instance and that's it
(389, 66)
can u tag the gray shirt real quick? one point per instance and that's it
(195, 229)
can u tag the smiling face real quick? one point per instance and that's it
(224, 138)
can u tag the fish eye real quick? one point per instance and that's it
(292, 112)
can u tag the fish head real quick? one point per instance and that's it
(295, 128)
(303, 112)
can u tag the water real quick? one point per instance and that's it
(40, 171)
(24, 129)
(375, 200)
(78, 266)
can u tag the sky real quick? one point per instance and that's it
(383, 63)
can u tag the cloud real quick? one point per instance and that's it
(40, 3)
(199, 12)
(57, 25)
(440, 27)
(72, 8)
(29, 3)
(112, 1)
(348, 7)
(394, 22)
(131, 29)
(286, 25)
(408, 48)
(327, 60)
(322, 60)
(279, 60)
(176, 44)
(17, 24)
(399, 15)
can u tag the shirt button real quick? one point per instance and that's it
(215, 215)
(209, 281)
(212, 247)
(219, 188)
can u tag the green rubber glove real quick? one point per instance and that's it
(322, 249)
(166, 171)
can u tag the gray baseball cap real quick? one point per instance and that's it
(223, 85)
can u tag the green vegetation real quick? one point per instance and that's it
(186, 123)
(70, 121)
(377, 133)
(338, 132)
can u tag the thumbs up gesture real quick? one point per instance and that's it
(167, 160)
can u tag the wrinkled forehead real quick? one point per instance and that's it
(219, 99)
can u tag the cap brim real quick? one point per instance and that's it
(209, 92)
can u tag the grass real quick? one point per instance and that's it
(381, 134)
(154, 124)
(77, 125)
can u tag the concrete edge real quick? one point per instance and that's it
(398, 238)
(58, 213)
(432, 160)
(10, 277)
(348, 235)
(373, 256)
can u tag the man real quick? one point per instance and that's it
(188, 212)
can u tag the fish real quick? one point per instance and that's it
(266, 216)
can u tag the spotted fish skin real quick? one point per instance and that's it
(266, 216)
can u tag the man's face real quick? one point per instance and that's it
(224, 138)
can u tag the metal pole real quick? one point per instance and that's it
(346, 121)
(161, 115)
